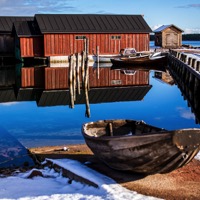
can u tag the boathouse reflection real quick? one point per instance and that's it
(49, 86)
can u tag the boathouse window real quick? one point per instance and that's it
(80, 37)
(116, 82)
(115, 37)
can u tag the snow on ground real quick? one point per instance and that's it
(56, 187)
(197, 156)
(193, 55)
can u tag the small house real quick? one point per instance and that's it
(28, 40)
(168, 36)
(65, 34)
(6, 34)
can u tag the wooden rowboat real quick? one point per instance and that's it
(135, 146)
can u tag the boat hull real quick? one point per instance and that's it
(158, 151)
(142, 61)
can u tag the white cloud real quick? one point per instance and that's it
(197, 5)
(156, 26)
(9, 104)
(190, 31)
(30, 7)
(185, 113)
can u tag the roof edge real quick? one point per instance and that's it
(164, 27)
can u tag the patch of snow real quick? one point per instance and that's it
(193, 55)
(197, 157)
(56, 187)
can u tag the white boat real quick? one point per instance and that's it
(127, 52)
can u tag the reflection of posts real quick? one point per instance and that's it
(71, 83)
(74, 77)
(86, 87)
(97, 62)
(74, 80)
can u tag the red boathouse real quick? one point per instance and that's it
(64, 34)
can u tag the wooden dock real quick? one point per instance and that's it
(184, 66)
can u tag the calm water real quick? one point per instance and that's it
(193, 43)
(162, 106)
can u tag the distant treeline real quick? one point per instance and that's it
(194, 37)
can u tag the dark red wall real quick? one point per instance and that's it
(66, 44)
(32, 47)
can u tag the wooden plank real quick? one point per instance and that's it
(71, 175)
(56, 78)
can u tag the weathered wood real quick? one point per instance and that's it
(71, 83)
(138, 147)
(168, 37)
(97, 62)
(86, 79)
(83, 67)
(71, 175)
(111, 129)
(32, 77)
(74, 76)
(31, 47)
(69, 45)
(77, 73)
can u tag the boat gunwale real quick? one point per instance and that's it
(143, 135)
(162, 132)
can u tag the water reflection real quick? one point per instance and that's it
(34, 101)
(49, 86)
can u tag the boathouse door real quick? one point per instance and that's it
(171, 40)
(115, 44)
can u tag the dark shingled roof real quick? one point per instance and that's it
(91, 23)
(7, 95)
(6, 23)
(26, 28)
(96, 95)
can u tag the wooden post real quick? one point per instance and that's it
(98, 62)
(198, 66)
(85, 44)
(189, 60)
(110, 129)
(71, 83)
(77, 73)
(83, 67)
(74, 77)
(179, 55)
(87, 47)
(86, 89)
(194, 61)
(87, 62)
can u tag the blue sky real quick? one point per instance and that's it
(183, 13)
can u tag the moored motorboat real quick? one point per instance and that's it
(144, 60)
(130, 145)
(127, 52)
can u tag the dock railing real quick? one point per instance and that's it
(185, 69)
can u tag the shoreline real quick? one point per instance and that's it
(183, 183)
